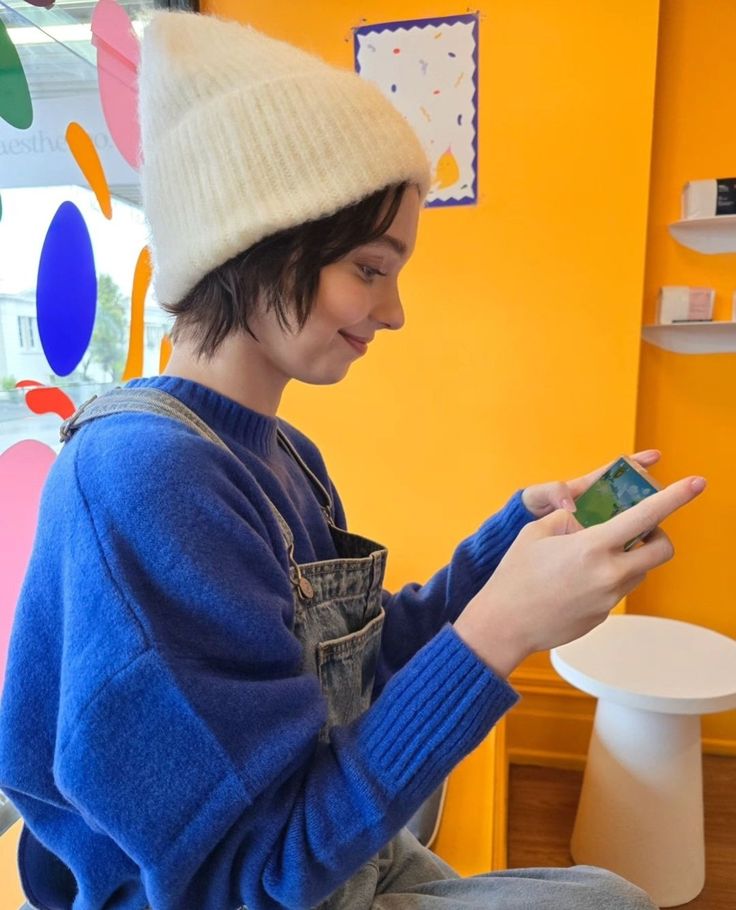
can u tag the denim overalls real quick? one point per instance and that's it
(338, 614)
(338, 617)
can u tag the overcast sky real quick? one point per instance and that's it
(27, 214)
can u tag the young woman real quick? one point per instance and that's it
(211, 701)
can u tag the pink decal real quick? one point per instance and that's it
(118, 56)
(23, 470)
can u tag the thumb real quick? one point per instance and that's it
(561, 521)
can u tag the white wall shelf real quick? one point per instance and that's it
(707, 235)
(717, 337)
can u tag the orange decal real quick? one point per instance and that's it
(85, 154)
(141, 280)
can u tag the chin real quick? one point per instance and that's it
(323, 377)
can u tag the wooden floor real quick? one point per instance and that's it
(542, 803)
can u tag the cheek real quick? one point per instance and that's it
(341, 300)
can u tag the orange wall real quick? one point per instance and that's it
(11, 893)
(687, 403)
(518, 361)
(522, 338)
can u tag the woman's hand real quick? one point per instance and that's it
(543, 498)
(558, 580)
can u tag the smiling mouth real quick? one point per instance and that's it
(355, 343)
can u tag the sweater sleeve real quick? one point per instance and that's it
(197, 751)
(416, 612)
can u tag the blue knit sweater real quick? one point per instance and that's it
(156, 730)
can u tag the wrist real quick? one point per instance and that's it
(500, 652)
(525, 502)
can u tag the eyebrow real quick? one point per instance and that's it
(396, 245)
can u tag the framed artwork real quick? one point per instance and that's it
(428, 68)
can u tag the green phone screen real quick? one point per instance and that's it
(617, 490)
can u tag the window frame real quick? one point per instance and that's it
(186, 5)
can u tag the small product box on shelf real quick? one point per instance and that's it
(679, 303)
(707, 198)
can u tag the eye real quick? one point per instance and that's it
(370, 273)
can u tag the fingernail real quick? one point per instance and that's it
(569, 505)
(698, 484)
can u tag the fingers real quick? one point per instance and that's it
(655, 551)
(647, 514)
(646, 458)
(560, 493)
(561, 521)
(581, 484)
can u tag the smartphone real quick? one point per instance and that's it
(623, 485)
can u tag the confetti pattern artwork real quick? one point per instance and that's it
(428, 68)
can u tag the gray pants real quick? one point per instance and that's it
(408, 876)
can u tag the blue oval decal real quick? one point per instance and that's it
(66, 291)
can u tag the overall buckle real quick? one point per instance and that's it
(65, 430)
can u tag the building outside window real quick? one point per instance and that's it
(27, 332)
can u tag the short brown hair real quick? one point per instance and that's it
(281, 270)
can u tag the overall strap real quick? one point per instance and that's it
(327, 508)
(153, 401)
(156, 401)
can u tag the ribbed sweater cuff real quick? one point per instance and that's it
(495, 536)
(431, 714)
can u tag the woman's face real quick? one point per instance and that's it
(357, 295)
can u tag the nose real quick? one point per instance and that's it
(389, 312)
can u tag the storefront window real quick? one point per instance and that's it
(61, 60)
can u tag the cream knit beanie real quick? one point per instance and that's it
(243, 135)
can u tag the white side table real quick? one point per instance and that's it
(641, 806)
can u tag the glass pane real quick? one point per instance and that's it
(39, 173)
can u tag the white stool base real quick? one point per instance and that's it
(641, 807)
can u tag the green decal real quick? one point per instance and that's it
(15, 96)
